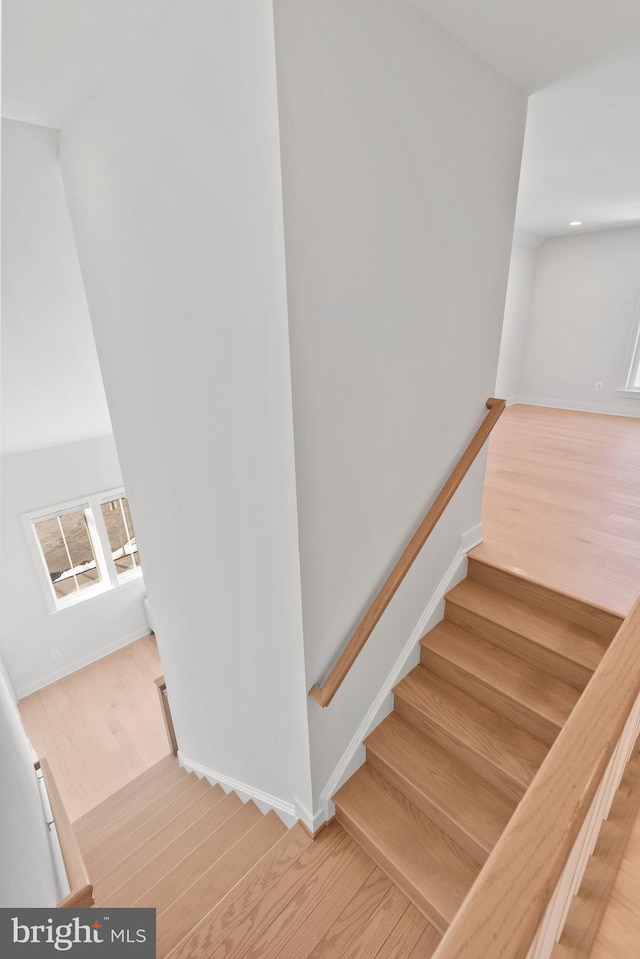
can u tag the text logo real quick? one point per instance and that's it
(50, 932)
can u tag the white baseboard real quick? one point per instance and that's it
(73, 667)
(354, 754)
(288, 812)
(619, 409)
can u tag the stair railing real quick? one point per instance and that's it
(166, 714)
(81, 889)
(517, 906)
(323, 694)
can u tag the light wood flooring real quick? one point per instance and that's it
(101, 726)
(562, 502)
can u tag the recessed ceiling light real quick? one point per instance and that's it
(575, 223)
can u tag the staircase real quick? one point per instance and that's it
(471, 724)
(444, 772)
(228, 881)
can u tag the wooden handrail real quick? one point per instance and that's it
(324, 694)
(81, 888)
(505, 905)
(166, 714)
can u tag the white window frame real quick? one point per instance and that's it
(109, 576)
(632, 362)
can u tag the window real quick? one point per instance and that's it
(631, 383)
(122, 538)
(68, 552)
(84, 548)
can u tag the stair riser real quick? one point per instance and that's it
(482, 763)
(389, 867)
(437, 814)
(534, 723)
(600, 621)
(567, 670)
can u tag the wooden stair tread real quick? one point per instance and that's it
(157, 822)
(499, 609)
(320, 914)
(233, 924)
(153, 774)
(410, 930)
(150, 863)
(432, 870)
(118, 806)
(498, 567)
(503, 680)
(296, 929)
(143, 822)
(216, 881)
(491, 744)
(366, 921)
(138, 858)
(467, 807)
(188, 867)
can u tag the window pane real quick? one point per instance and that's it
(68, 553)
(122, 537)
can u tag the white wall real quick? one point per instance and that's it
(82, 633)
(51, 387)
(517, 310)
(173, 177)
(400, 155)
(585, 300)
(28, 875)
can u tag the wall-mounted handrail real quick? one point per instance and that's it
(504, 907)
(166, 714)
(324, 694)
(81, 889)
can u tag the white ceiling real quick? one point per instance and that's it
(582, 149)
(581, 157)
(536, 42)
(54, 52)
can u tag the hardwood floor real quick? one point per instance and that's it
(562, 501)
(101, 726)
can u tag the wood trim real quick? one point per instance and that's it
(81, 889)
(166, 714)
(313, 834)
(323, 694)
(501, 914)
(81, 898)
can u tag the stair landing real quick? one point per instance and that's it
(229, 881)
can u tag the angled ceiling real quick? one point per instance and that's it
(54, 52)
(581, 158)
(579, 58)
(536, 42)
